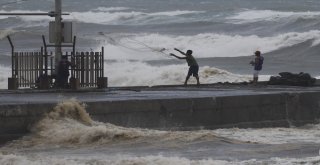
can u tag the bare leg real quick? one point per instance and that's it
(187, 78)
(255, 80)
(198, 82)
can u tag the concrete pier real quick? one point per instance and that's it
(169, 107)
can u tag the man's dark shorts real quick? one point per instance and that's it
(193, 70)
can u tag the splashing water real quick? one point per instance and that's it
(70, 125)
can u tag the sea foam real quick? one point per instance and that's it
(13, 159)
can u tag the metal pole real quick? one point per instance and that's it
(12, 52)
(51, 14)
(73, 55)
(58, 34)
(45, 54)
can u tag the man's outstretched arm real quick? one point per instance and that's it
(171, 54)
(180, 51)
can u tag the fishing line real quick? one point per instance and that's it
(147, 47)
(151, 48)
(117, 43)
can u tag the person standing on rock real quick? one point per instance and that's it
(192, 63)
(257, 63)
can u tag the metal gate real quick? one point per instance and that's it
(30, 67)
(89, 66)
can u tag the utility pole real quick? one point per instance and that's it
(58, 27)
(58, 34)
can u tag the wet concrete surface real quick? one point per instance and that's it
(28, 96)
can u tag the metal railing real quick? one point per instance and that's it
(89, 66)
(28, 67)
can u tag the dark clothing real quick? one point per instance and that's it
(193, 70)
(63, 73)
(258, 63)
(191, 61)
(64, 67)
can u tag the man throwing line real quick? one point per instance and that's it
(192, 63)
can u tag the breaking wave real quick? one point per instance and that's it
(69, 125)
(147, 46)
(108, 9)
(250, 16)
(139, 73)
(126, 17)
(104, 16)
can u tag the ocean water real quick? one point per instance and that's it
(68, 135)
(137, 36)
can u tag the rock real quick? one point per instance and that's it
(287, 78)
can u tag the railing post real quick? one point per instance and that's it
(102, 62)
(102, 81)
(13, 81)
(45, 54)
(73, 56)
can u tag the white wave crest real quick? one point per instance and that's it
(5, 72)
(147, 46)
(250, 16)
(29, 21)
(6, 32)
(176, 13)
(107, 9)
(111, 17)
(101, 15)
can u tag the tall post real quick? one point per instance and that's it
(58, 34)
(12, 53)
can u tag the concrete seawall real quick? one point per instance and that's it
(178, 109)
(211, 112)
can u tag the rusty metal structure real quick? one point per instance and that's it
(37, 69)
